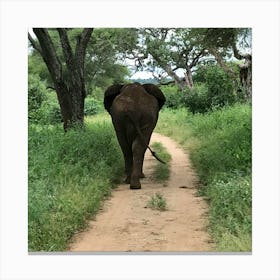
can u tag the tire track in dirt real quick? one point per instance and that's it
(125, 224)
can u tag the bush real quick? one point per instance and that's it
(92, 106)
(196, 99)
(47, 111)
(220, 87)
(36, 96)
(174, 97)
(213, 89)
(50, 113)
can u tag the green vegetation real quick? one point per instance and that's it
(161, 171)
(69, 176)
(220, 146)
(157, 202)
(43, 105)
(213, 89)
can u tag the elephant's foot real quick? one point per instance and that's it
(132, 187)
(135, 184)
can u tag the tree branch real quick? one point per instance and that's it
(66, 47)
(196, 58)
(220, 61)
(82, 41)
(34, 44)
(236, 52)
(49, 54)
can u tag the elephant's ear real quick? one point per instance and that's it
(110, 94)
(156, 92)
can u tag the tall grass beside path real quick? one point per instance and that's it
(69, 175)
(220, 147)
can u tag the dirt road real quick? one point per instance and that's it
(126, 225)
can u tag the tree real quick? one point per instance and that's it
(225, 42)
(105, 54)
(171, 49)
(166, 50)
(67, 76)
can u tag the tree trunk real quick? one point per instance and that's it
(245, 75)
(221, 62)
(189, 79)
(180, 82)
(71, 90)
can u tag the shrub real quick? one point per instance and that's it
(196, 99)
(92, 106)
(174, 97)
(50, 112)
(36, 96)
(213, 89)
(220, 87)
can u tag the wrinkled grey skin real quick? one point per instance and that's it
(134, 111)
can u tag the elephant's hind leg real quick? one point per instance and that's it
(138, 150)
(138, 156)
(127, 153)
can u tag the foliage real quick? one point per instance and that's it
(105, 51)
(219, 143)
(157, 202)
(214, 89)
(37, 67)
(47, 111)
(165, 50)
(92, 106)
(220, 87)
(174, 97)
(68, 177)
(197, 99)
(161, 171)
(36, 96)
(164, 47)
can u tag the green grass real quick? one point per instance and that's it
(231, 213)
(219, 144)
(157, 202)
(68, 178)
(161, 171)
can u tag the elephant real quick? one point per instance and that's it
(134, 110)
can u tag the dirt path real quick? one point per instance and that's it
(126, 225)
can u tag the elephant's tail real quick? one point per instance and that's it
(144, 142)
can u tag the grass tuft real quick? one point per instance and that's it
(157, 202)
(161, 171)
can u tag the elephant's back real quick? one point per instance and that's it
(135, 98)
(135, 103)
